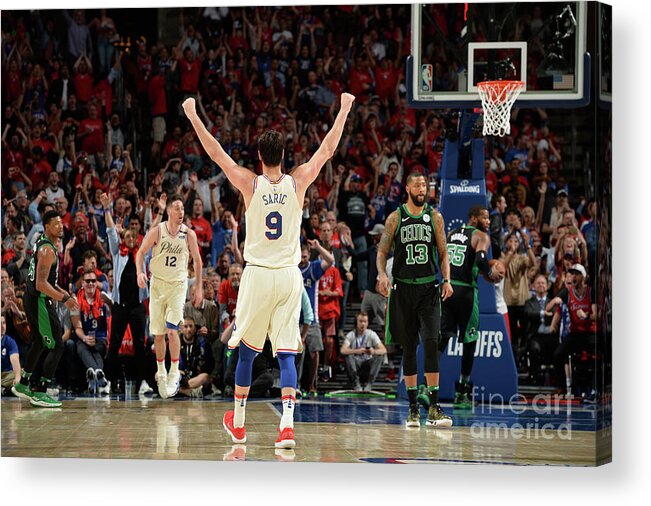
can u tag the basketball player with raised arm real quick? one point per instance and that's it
(269, 299)
(171, 243)
(417, 233)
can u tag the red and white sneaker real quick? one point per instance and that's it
(286, 438)
(238, 434)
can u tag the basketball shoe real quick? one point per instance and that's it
(286, 438)
(22, 391)
(436, 417)
(462, 399)
(413, 418)
(161, 382)
(238, 434)
(173, 383)
(43, 400)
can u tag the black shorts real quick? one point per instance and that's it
(413, 310)
(460, 313)
(44, 322)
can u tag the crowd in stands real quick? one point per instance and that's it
(91, 125)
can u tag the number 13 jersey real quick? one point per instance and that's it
(170, 255)
(273, 224)
(414, 253)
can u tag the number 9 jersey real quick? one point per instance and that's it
(273, 224)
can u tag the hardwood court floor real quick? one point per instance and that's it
(342, 430)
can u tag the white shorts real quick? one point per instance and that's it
(166, 302)
(269, 304)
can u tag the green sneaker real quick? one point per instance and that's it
(463, 402)
(413, 419)
(423, 396)
(462, 399)
(43, 400)
(436, 417)
(22, 391)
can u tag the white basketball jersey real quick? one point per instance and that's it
(273, 224)
(170, 255)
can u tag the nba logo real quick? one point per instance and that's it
(426, 75)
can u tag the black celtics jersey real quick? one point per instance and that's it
(463, 270)
(414, 255)
(33, 264)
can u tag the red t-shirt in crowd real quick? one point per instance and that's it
(385, 83)
(39, 173)
(94, 141)
(84, 86)
(227, 295)
(491, 181)
(202, 228)
(190, 72)
(157, 97)
(358, 81)
(329, 306)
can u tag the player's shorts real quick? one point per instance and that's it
(44, 322)
(158, 129)
(313, 340)
(460, 313)
(413, 310)
(166, 301)
(329, 327)
(269, 304)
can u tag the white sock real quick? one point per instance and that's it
(240, 407)
(161, 368)
(287, 420)
(174, 368)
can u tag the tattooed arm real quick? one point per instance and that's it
(383, 249)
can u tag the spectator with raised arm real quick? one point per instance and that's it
(128, 298)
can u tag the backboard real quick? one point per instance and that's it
(456, 46)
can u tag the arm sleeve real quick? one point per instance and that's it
(482, 262)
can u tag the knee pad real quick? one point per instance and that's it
(431, 354)
(244, 367)
(288, 374)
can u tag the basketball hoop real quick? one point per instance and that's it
(497, 98)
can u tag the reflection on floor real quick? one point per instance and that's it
(341, 430)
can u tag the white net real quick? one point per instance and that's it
(497, 98)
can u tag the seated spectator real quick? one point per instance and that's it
(16, 319)
(196, 361)
(91, 332)
(364, 354)
(10, 360)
